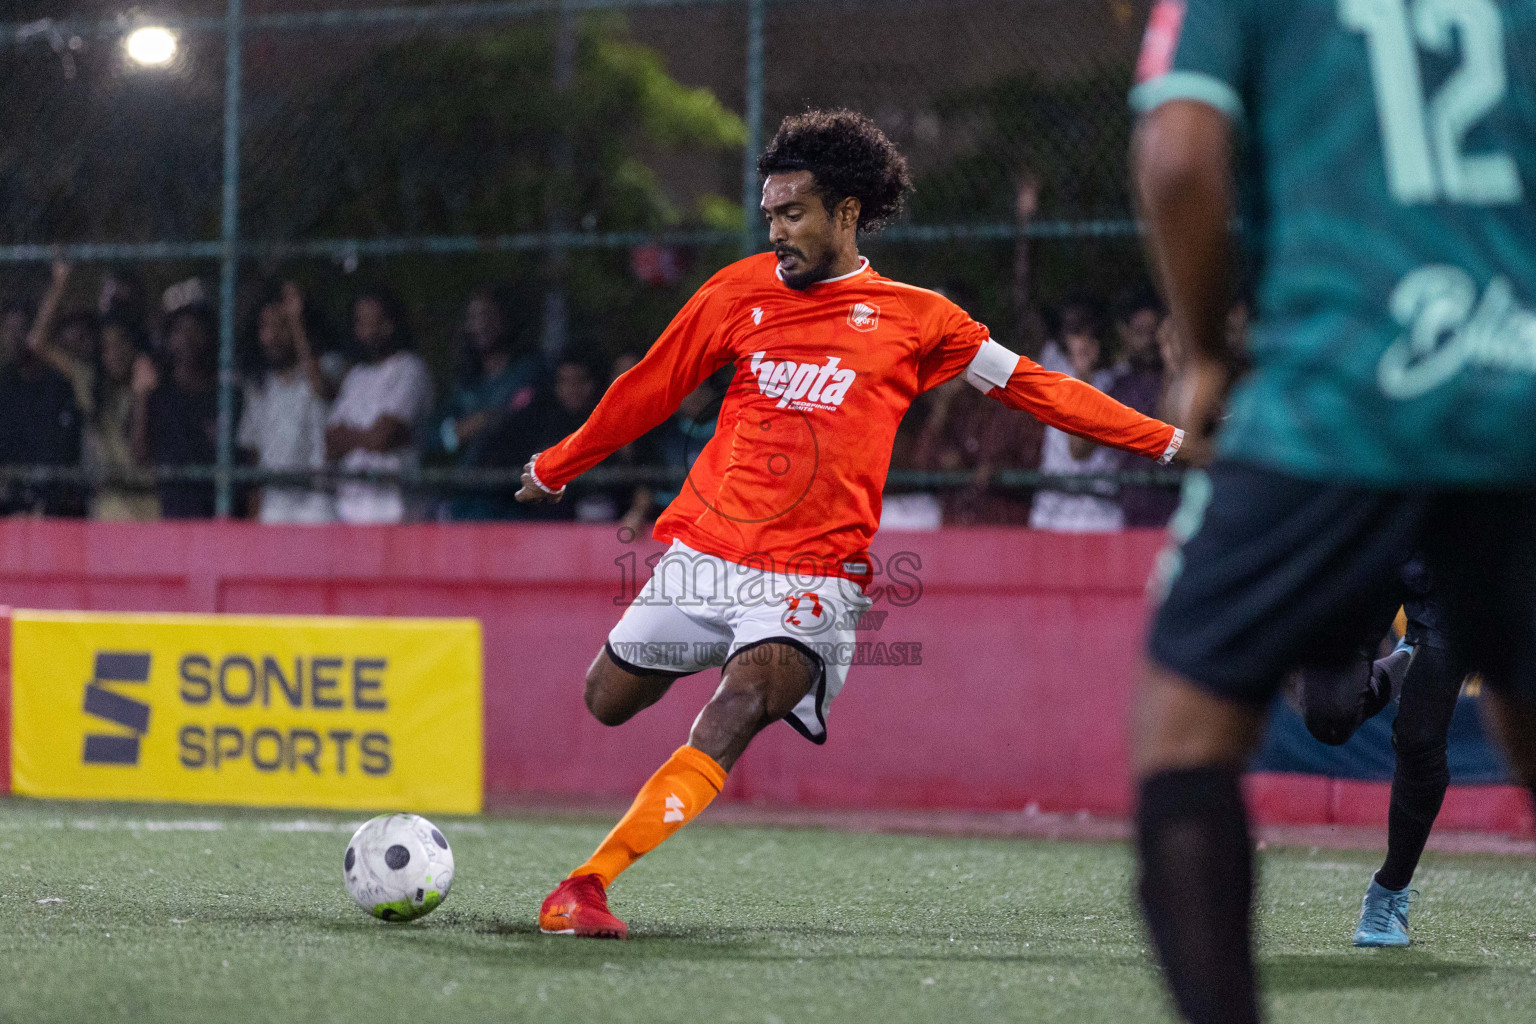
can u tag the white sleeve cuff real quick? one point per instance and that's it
(540, 484)
(1173, 447)
(991, 367)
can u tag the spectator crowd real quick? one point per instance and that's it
(129, 385)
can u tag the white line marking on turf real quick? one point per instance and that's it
(311, 826)
(298, 825)
(129, 825)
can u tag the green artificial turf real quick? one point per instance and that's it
(119, 912)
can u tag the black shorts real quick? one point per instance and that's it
(1275, 573)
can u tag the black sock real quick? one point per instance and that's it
(1418, 789)
(1197, 891)
(1420, 779)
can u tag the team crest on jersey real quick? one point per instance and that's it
(803, 386)
(864, 316)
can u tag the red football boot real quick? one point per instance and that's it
(579, 906)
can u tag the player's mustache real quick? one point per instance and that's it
(783, 250)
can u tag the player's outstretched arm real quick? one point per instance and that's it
(1055, 399)
(1077, 407)
(639, 400)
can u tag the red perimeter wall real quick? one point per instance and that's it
(1029, 643)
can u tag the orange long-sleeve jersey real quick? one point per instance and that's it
(792, 478)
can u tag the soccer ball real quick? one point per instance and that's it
(398, 867)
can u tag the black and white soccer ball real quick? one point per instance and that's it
(398, 867)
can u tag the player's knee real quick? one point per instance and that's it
(1328, 726)
(602, 696)
(604, 709)
(1330, 701)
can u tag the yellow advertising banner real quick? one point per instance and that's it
(237, 709)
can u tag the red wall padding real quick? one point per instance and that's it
(1029, 645)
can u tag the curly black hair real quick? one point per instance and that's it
(848, 155)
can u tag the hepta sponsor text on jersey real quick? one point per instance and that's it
(803, 385)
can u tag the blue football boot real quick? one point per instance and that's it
(1384, 916)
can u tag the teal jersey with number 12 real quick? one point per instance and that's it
(1387, 168)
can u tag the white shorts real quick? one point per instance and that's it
(699, 611)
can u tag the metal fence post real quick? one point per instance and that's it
(557, 215)
(229, 261)
(751, 189)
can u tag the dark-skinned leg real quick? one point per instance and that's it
(758, 687)
(616, 694)
(1487, 588)
(1512, 720)
(1422, 774)
(1196, 881)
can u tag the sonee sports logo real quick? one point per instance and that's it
(100, 702)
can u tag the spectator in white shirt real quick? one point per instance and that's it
(284, 421)
(1080, 354)
(373, 423)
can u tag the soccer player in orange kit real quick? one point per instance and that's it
(769, 536)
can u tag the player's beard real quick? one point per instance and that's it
(810, 273)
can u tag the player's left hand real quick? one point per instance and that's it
(532, 492)
(1197, 401)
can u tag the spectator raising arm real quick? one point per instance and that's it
(40, 337)
(145, 380)
(293, 312)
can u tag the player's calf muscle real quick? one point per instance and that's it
(754, 693)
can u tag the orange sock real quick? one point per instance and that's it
(670, 799)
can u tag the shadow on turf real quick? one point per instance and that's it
(463, 937)
(1384, 969)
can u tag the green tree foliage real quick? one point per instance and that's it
(467, 134)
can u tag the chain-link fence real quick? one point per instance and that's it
(592, 159)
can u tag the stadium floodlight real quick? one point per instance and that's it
(151, 46)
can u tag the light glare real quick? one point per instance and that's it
(152, 46)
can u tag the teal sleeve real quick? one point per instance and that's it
(1195, 50)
